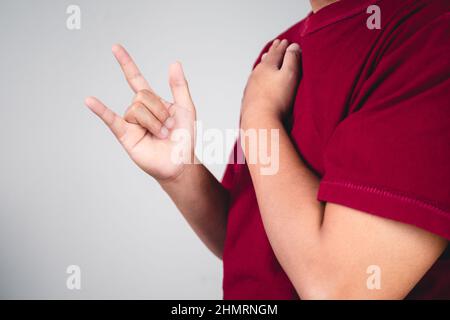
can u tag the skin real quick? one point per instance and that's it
(316, 5)
(324, 249)
(200, 197)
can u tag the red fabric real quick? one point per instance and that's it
(372, 119)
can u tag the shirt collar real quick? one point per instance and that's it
(333, 13)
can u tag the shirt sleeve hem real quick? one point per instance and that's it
(388, 205)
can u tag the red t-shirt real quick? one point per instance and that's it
(372, 120)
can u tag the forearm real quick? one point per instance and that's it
(203, 201)
(291, 214)
(326, 250)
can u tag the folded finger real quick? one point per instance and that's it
(154, 104)
(139, 114)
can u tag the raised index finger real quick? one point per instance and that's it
(134, 77)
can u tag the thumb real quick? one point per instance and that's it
(292, 57)
(179, 85)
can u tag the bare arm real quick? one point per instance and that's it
(203, 201)
(324, 249)
(147, 133)
(327, 249)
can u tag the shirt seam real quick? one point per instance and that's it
(391, 194)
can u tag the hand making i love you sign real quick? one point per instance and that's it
(146, 129)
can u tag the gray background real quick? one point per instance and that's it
(68, 193)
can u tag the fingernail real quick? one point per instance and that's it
(169, 123)
(294, 47)
(88, 102)
(164, 132)
(115, 48)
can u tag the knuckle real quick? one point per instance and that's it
(134, 76)
(136, 106)
(131, 111)
(290, 74)
(178, 82)
(140, 95)
(159, 111)
(128, 115)
(163, 114)
(146, 92)
(154, 125)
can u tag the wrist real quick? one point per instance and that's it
(259, 119)
(186, 171)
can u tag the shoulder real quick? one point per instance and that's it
(292, 34)
(424, 21)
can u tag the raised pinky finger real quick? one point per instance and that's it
(114, 122)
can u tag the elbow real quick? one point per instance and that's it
(322, 293)
(329, 291)
(322, 285)
(317, 291)
(340, 290)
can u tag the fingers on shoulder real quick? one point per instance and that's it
(274, 55)
(292, 58)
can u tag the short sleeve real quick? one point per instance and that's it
(391, 155)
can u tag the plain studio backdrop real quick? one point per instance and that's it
(69, 195)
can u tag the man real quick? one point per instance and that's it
(363, 186)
